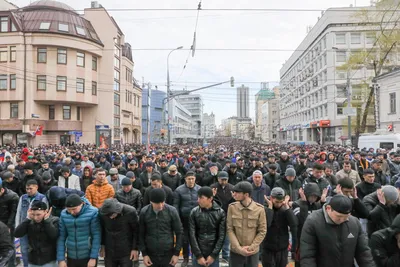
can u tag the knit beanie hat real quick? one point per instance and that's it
(341, 204)
(46, 176)
(73, 201)
(390, 192)
(290, 172)
(110, 206)
(126, 181)
(157, 195)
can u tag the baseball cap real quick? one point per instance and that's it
(341, 204)
(278, 193)
(223, 175)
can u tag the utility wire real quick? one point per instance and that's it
(338, 9)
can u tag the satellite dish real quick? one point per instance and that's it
(194, 45)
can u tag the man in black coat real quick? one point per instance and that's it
(120, 224)
(331, 237)
(42, 232)
(368, 185)
(158, 223)
(6, 245)
(157, 183)
(207, 223)
(385, 245)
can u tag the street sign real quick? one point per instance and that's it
(71, 132)
(76, 138)
(78, 133)
(352, 112)
(102, 127)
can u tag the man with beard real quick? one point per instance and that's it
(234, 176)
(172, 178)
(211, 176)
(284, 162)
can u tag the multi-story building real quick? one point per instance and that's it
(229, 127)
(270, 121)
(209, 125)
(243, 103)
(183, 127)
(261, 98)
(194, 104)
(313, 90)
(156, 116)
(61, 71)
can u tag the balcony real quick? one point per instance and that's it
(69, 96)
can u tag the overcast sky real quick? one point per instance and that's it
(215, 30)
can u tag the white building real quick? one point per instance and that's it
(262, 97)
(194, 104)
(312, 90)
(229, 127)
(243, 103)
(270, 121)
(209, 125)
(388, 95)
(182, 123)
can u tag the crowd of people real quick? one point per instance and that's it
(237, 203)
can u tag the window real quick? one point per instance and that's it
(14, 110)
(116, 110)
(94, 88)
(3, 82)
(94, 63)
(63, 27)
(116, 51)
(13, 53)
(80, 30)
(80, 85)
(392, 99)
(116, 99)
(3, 24)
(13, 28)
(52, 112)
(340, 38)
(61, 83)
(386, 146)
(78, 113)
(116, 86)
(116, 75)
(116, 122)
(128, 75)
(370, 38)
(66, 112)
(80, 59)
(42, 55)
(340, 56)
(41, 82)
(3, 54)
(61, 56)
(44, 26)
(13, 81)
(355, 38)
(339, 109)
(116, 62)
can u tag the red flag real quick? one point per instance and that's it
(39, 130)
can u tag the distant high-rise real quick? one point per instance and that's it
(243, 102)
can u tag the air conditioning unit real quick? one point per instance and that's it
(95, 4)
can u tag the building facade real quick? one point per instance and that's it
(243, 102)
(270, 121)
(156, 116)
(209, 125)
(59, 72)
(313, 90)
(388, 95)
(194, 104)
(261, 98)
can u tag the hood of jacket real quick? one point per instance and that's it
(312, 189)
(25, 150)
(90, 170)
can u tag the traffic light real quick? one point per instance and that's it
(232, 82)
(390, 127)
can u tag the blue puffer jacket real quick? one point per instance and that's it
(80, 234)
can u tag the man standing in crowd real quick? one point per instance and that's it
(99, 190)
(158, 223)
(6, 245)
(41, 230)
(246, 227)
(385, 245)
(68, 180)
(156, 182)
(348, 172)
(24, 205)
(80, 234)
(332, 237)
(185, 199)
(120, 225)
(129, 195)
(206, 230)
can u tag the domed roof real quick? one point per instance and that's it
(265, 95)
(51, 4)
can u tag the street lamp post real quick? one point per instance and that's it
(168, 95)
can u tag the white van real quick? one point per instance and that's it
(390, 141)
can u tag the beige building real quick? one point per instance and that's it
(70, 74)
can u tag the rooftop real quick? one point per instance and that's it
(265, 94)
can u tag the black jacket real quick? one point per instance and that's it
(120, 235)
(14, 185)
(277, 238)
(364, 189)
(42, 239)
(172, 181)
(224, 195)
(6, 245)
(46, 186)
(156, 232)
(235, 178)
(168, 192)
(380, 216)
(133, 198)
(384, 247)
(8, 207)
(33, 176)
(322, 183)
(207, 231)
(325, 244)
(291, 188)
(270, 179)
(185, 199)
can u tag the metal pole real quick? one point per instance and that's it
(348, 105)
(148, 118)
